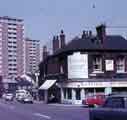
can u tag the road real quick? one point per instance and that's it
(40, 111)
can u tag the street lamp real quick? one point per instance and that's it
(37, 80)
(36, 84)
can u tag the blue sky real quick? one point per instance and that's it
(45, 18)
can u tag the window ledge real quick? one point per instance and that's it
(121, 72)
(98, 72)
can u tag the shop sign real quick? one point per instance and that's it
(95, 84)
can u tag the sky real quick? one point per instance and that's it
(45, 18)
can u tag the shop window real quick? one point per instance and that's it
(97, 64)
(78, 94)
(120, 65)
(61, 69)
(69, 93)
(65, 92)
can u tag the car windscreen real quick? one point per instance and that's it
(114, 102)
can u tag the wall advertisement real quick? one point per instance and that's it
(78, 66)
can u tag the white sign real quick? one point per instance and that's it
(109, 65)
(78, 65)
(95, 84)
(108, 90)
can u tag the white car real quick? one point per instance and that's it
(28, 99)
(19, 97)
(8, 96)
(21, 93)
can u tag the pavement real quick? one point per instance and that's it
(40, 111)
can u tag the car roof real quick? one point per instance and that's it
(9, 94)
(119, 95)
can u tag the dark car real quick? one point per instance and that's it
(114, 108)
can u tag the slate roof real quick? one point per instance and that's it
(111, 42)
(24, 83)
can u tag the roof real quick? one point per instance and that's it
(24, 83)
(11, 18)
(119, 94)
(112, 42)
(9, 81)
(47, 84)
(27, 78)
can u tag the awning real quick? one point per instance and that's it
(47, 84)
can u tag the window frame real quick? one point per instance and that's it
(120, 63)
(97, 60)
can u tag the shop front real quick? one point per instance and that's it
(75, 92)
(51, 92)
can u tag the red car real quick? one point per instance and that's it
(94, 100)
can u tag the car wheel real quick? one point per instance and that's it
(31, 102)
(97, 119)
(91, 106)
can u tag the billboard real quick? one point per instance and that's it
(78, 65)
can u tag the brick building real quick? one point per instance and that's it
(87, 65)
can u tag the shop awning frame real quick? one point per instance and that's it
(47, 84)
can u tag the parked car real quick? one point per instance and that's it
(114, 108)
(19, 97)
(8, 96)
(27, 99)
(94, 100)
(21, 94)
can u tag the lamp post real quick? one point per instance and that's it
(36, 84)
(36, 75)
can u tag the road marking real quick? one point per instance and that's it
(42, 115)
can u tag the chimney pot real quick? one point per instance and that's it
(90, 33)
(62, 31)
(83, 34)
(62, 39)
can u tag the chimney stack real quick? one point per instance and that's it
(90, 33)
(45, 52)
(101, 32)
(86, 34)
(62, 39)
(83, 34)
(55, 43)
